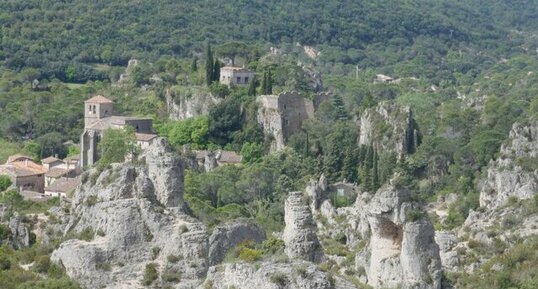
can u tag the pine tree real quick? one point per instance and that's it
(338, 103)
(209, 65)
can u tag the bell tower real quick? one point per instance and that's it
(95, 109)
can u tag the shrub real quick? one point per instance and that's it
(173, 258)
(5, 263)
(5, 182)
(155, 252)
(171, 276)
(87, 234)
(414, 215)
(91, 200)
(279, 279)
(250, 255)
(150, 274)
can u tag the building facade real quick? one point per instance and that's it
(98, 117)
(236, 76)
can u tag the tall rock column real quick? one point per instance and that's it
(300, 232)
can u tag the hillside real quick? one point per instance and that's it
(377, 144)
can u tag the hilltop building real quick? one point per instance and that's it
(283, 115)
(236, 76)
(25, 174)
(99, 116)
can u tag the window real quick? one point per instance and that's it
(246, 79)
(90, 108)
(238, 79)
(94, 109)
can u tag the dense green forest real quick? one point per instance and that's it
(468, 69)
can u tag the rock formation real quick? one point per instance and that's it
(506, 177)
(228, 236)
(390, 128)
(267, 275)
(403, 251)
(190, 103)
(300, 232)
(20, 234)
(132, 215)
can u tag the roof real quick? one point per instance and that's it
(50, 160)
(236, 69)
(229, 157)
(17, 157)
(63, 185)
(74, 158)
(99, 99)
(56, 172)
(108, 122)
(29, 166)
(145, 136)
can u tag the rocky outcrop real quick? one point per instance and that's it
(402, 248)
(189, 102)
(294, 275)
(20, 234)
(121, 226)
(447, 242)
(300, 232)
(389, 127)
(165, 169)
(508, 176)
(228, 236)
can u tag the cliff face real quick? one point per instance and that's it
(506, 176)
(389, 127)
(189, 103)
(133, 215)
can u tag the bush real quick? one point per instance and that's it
(250, 255)
(150, 274)
(279, 279)
(5, 263)
(173, 258)
(414, 215)
(5, 182)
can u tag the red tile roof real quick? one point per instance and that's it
(99, 99)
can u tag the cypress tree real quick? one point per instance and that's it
(375, 176)
(338, 103)
(269, 83)
(209, 65)
(194, 64)
(252, 87)
(216, 70)
(264, 83)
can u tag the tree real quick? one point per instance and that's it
(116, 144)
(5, 182)
(216, 70)
(209, 65)
(252, 152)
(51, 144)
(194, 64)
(232, 49)
(252, 87)
(269, 84)
(224, 119)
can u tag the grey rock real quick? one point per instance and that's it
(20, 234)
(267, 275)
(401, 139)
(228, 236)
(194, 103)
(300, 232)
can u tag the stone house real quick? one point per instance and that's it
(99, 116)
(283, 115)
(236, 76)
(61, 187)
(25, 174)
(209, 160)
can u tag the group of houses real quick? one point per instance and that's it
(54, 177)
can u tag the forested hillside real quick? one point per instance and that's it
(462, 74)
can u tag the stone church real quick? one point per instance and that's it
(99, 116)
